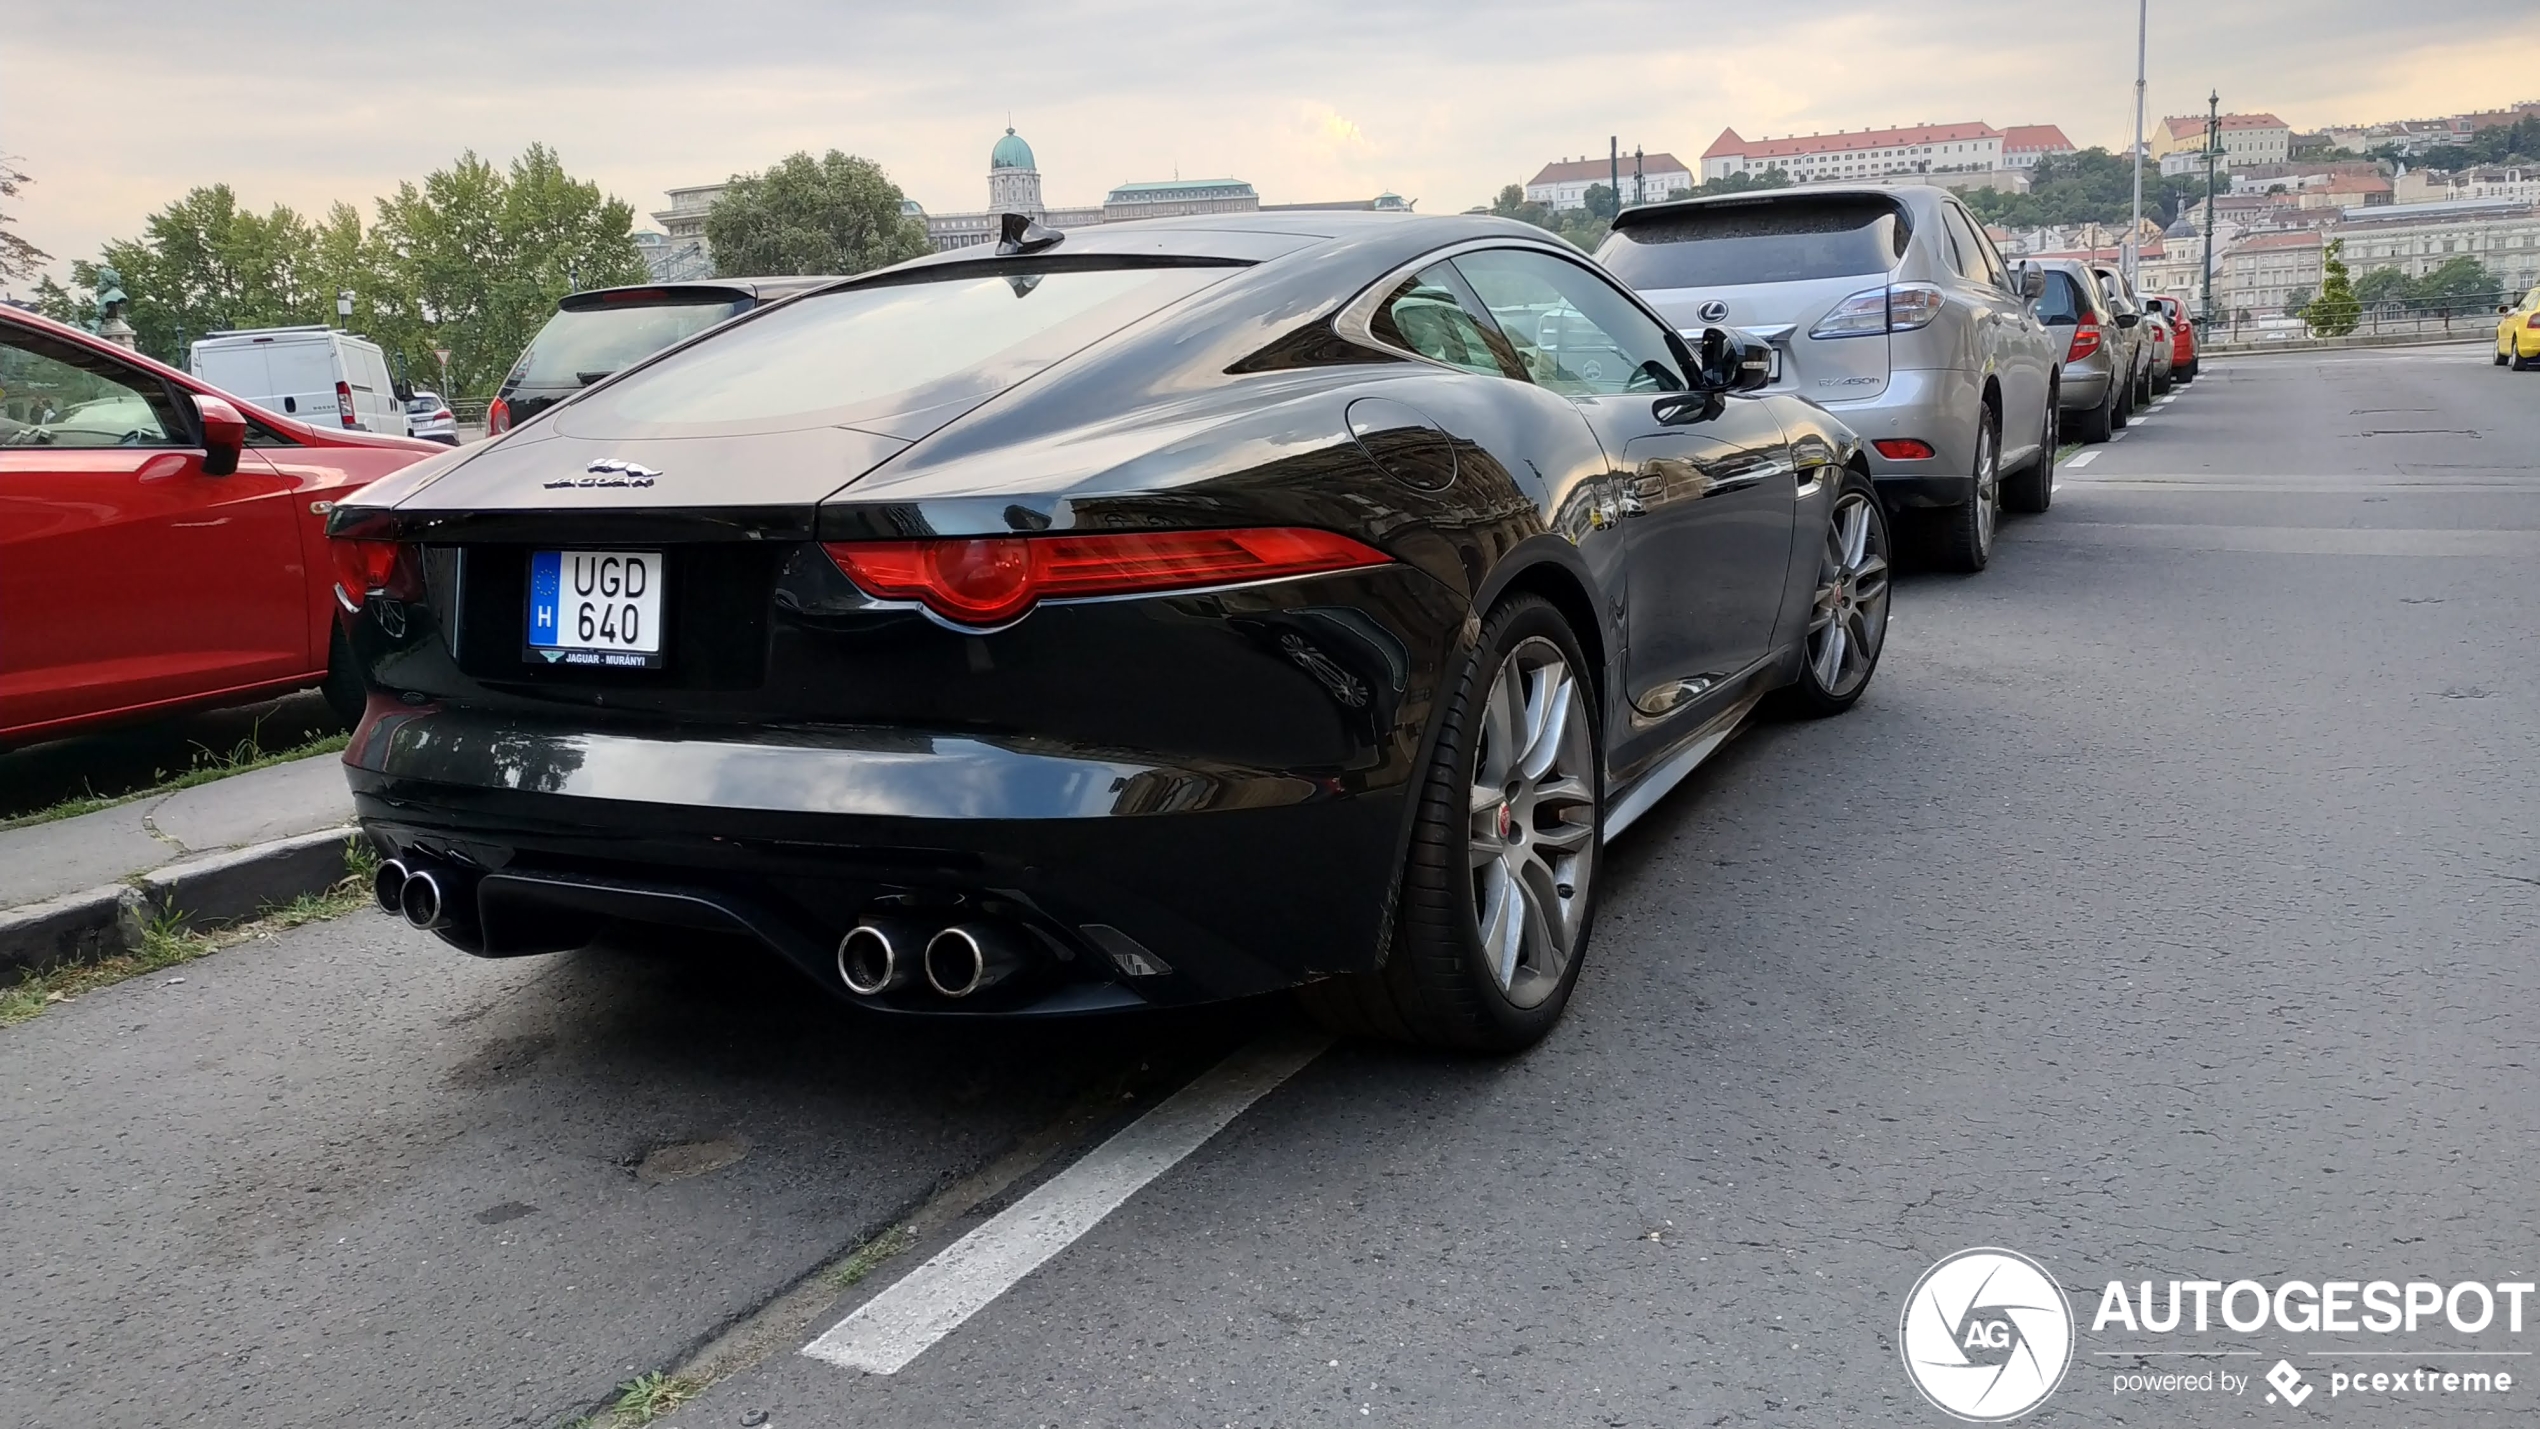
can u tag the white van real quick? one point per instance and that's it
(314, 373)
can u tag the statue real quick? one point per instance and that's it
(112, 304)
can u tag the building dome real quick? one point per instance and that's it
(1010, 153)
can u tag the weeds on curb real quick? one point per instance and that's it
(647, 1397)
(208, 764)
(166, 942)
(869, 1256)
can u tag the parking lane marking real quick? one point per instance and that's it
(2085, 459)
(935, 1299)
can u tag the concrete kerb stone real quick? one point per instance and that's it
(225, 887)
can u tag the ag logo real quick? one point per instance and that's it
(1986, 1335)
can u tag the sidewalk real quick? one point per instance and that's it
(84, 886)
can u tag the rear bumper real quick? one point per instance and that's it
(1937, 406)
(2083, 386)
(1223, 881)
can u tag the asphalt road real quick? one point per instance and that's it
(2164, 913)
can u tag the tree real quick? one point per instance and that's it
(477, 256)
(1582, 227)
(19, 259)
(1599, 202)
(2385, 290)
(2334, 313)
(2089, 186)
(2461, 284)
(1738, 183)
(834, 214)
(2296, 302)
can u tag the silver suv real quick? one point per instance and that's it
(1891, 309)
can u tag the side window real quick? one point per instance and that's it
(58, 394)
(2062, 304)
(1970, 248)
(1993, 259)
(1572, 331)
(1427, 315)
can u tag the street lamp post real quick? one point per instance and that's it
(344, 307)
(2142, 46)
(2213, 142)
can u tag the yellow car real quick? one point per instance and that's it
(2518, 334)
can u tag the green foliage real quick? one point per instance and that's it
(2090, 186)
(2515, 143)
(2335, 312)
(1773, 178)
(1600, 202)
(2461, 285)
(834, 214)
(473, 259)
(1583, 229)
(19, 259)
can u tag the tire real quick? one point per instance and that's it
(343, 689)
(2501, 359)
(1450, 982)
(2188, 373)
(1847, 623)
(2121, 409)
(2033, 489)
(2099, 423)
(1963, 537)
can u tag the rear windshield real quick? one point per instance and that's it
(2062, 303)
(1780, 241)
(578, 348)
(866, 352)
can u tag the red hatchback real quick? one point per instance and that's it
(2182, 339)
(161, 546)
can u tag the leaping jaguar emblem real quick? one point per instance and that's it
(609, 471)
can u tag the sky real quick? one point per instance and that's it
(115, 111)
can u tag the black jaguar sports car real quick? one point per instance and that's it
(1138, 615)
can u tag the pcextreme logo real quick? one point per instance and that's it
(1986, 1335)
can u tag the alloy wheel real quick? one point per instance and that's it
(1850, 619)
(1988, 496)
(1533, 821)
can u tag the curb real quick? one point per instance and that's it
(99, 923)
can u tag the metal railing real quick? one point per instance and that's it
(2456, 316)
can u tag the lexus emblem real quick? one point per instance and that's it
(1713, 311)
(609, 471)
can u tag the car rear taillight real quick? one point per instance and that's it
(992, 580)
(2532, 321)
(344, 402)
(498, 418)
(2086, 341)
(365, 568)
(1899, 307)
(1903, 449)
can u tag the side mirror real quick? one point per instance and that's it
(2032, 282)
(2506, 309)
(1732, 361)
(2128, 319)
(224, 435)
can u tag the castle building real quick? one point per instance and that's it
(1014, 186)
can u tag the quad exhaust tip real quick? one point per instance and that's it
(422, 902)
(880, 955)
(388, 885)
(969, 958)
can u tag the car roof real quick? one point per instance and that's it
(1912, 197)
(767, 289)
(1246, 237)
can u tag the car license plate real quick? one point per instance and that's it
(598, 608)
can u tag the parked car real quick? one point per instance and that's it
(2157, 323)
(2518, 334)
(317, 374)
(2091, 388)
(599, 332)
(431, 419)
(162, 545)
(1149, 614)
(2131, 336)
(1891, 309)
(2182, 338)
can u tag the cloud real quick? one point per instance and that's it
(1308, 99)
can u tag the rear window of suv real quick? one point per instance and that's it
(1788, 240)
(2061, 304)
(581, 345)
(875, 350)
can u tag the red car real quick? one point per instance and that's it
(161, 546)
(2182, 339)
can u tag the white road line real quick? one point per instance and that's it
(2077, 463)
(932, 1301)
